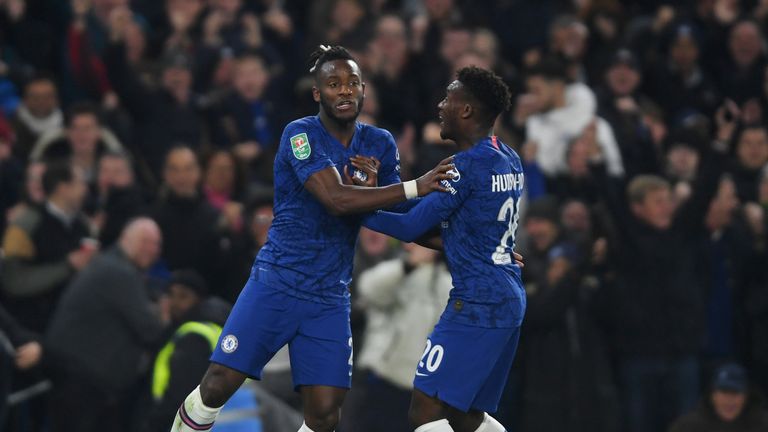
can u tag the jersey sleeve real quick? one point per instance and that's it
(389, 171)
(430, 210)
(305, 150)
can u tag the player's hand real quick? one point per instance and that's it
(518, 259)
(431, 180)
(79, 258)
(28, 355)
(366, 171)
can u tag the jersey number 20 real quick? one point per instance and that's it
(511, 206)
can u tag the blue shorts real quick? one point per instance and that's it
(465, 366)
(264, 319)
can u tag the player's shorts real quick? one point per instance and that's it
(264, 319)
(467, 367)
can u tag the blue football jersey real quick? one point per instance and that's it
(478, 218)
(310, 249)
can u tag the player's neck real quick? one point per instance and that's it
(469, 139)
(341, 131)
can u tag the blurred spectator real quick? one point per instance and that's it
(338, 21)
(248, 119)
(31, 193)
(679, 83)
(577, 182)
(82, 142)
(163, 116)
(30, 39)
(19, 349)
(568, 39)
(751, 157)
(729, 405)
(402, 298)
(100, 331)
(619, 105)
(682, 161)
(433, 149)
(175, 25)
(257, 219)
(657, 354)
(11, 171)
(394, 73)
(196, 320)
(45, 246)
(373, 248)
(192, 229)
(440, 14)
(555, 112)
(84, 74)
(742, 71)
(119, 197)
(727, 251)
(39, 114)
(223, 182)
(566, 374)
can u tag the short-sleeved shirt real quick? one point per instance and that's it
(310, 250)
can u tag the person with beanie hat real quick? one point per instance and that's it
(730, 405)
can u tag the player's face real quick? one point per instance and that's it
(340, 90)
(449, 109)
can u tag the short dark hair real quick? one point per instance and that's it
(752, 126)
(82, 108)
(182, 146)
(326, 53)
(41, 77)
(56, 173)
(487, 88)
(551, 68)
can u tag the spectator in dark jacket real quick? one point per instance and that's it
(679, 84)
(43, 247)
(579, 393)
(163, 116)
(197, 320)
(100, 332)
(728, 255)
(743, 70)
(192, 228)
(19, 348)
(620, 105)
(729, 406)
(656, 272)
(118, 195)
(751, 157)
(249, 119)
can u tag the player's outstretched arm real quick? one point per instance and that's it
(340, 199)
(407, 227)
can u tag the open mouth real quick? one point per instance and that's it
(345, 105)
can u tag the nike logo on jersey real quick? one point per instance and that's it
(421, 374)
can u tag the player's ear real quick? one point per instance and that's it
(363, 86)
(467, 111)
(315, 94)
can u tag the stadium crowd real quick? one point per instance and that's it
(136, 148)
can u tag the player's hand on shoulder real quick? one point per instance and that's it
(365, 171)
(518, 259)
(431, 180)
